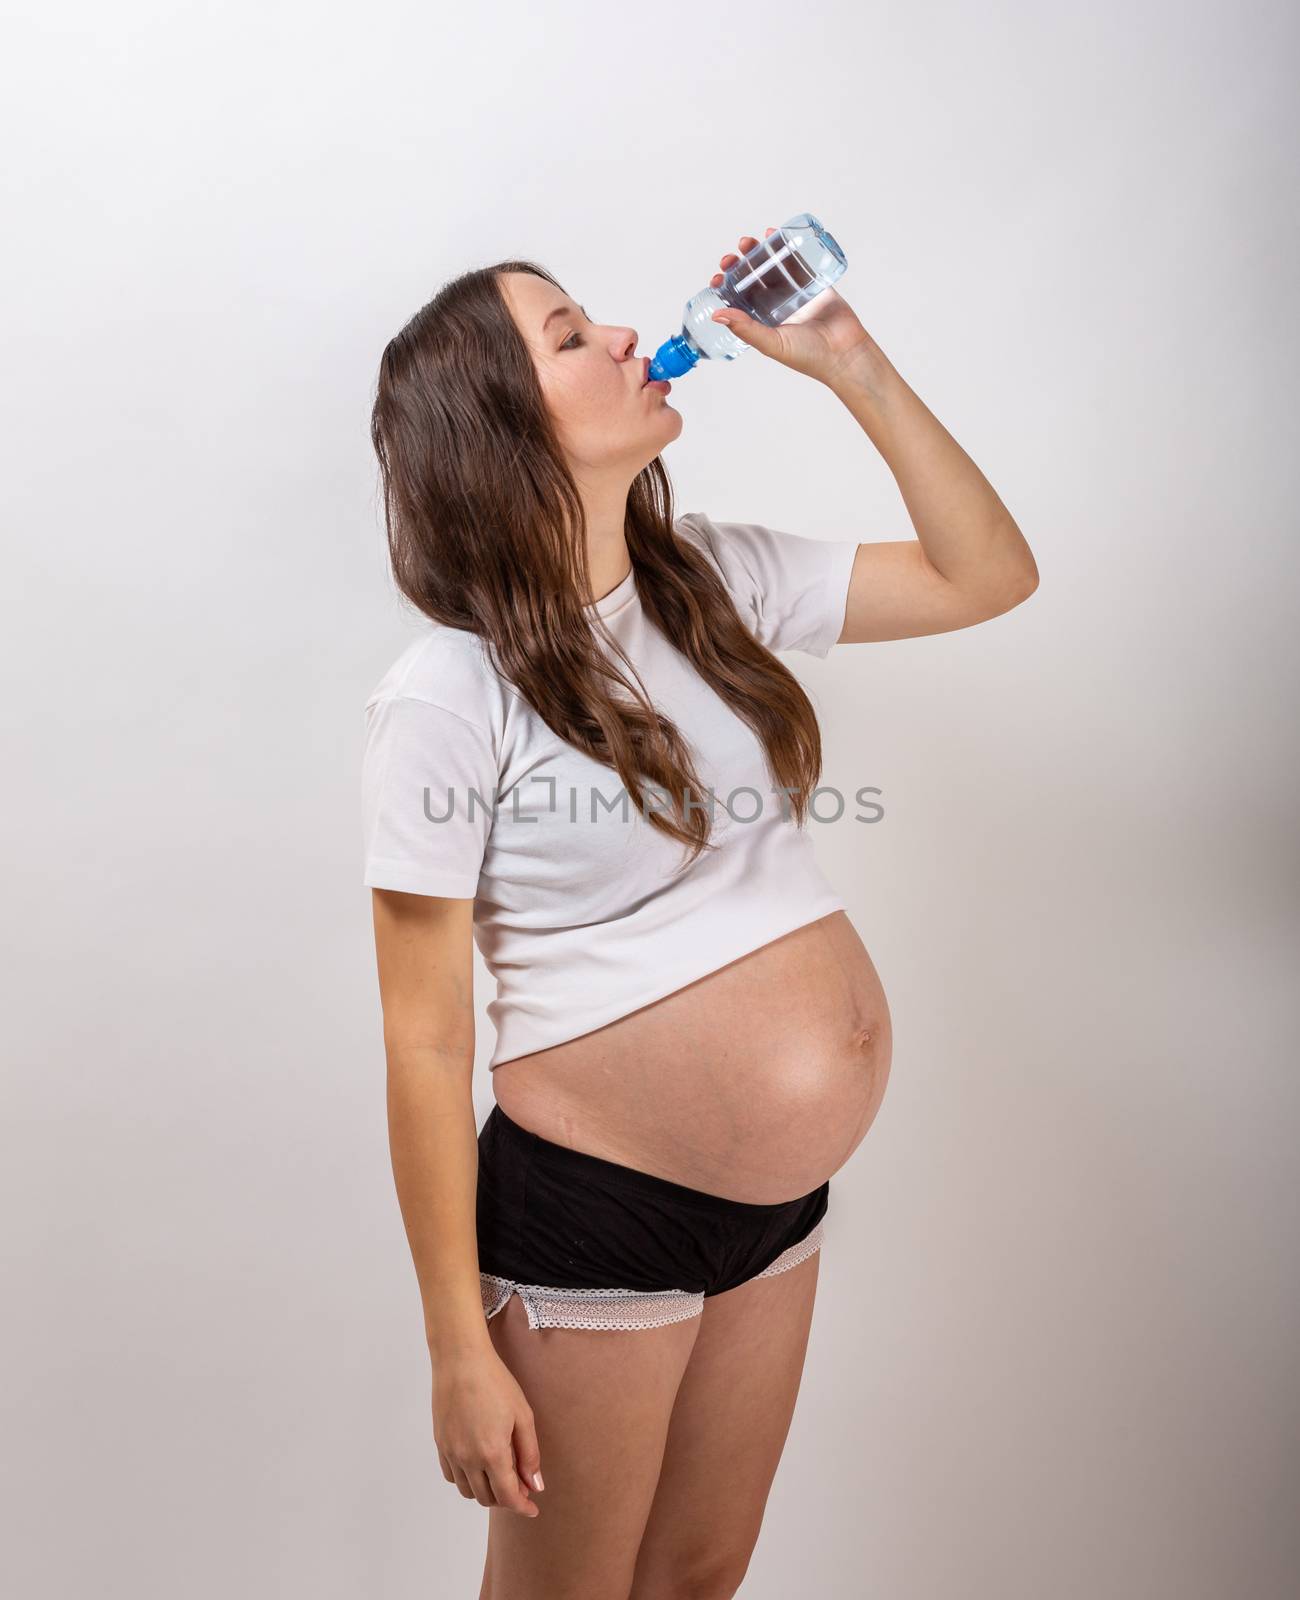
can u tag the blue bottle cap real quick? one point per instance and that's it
(673, 357)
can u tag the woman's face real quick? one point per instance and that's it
(592, 380)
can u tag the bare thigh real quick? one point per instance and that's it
(602, 1399)
(725, 1437)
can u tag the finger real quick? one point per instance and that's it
(746, 242)
(746, 329)
(729, 260)
(510, 1490)
(462, 1483)
(528, 1455)
(482, 1487)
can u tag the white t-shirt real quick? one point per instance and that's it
(582, 911)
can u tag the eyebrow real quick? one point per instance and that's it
(559, 312)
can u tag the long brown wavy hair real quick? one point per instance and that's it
(486, 533)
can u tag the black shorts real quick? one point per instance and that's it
(589, 1243)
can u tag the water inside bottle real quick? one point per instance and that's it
(764, 281)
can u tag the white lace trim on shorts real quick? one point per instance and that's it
(549, 1307)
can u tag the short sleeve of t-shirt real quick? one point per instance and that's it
(429, 783)
(792, 591)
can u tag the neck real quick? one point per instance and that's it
(608, 558)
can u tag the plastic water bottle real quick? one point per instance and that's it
(780, 274)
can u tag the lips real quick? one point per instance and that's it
(645, 370)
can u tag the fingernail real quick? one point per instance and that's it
(537, 1481)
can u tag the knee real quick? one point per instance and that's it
(723, 1585)
(717, 1577)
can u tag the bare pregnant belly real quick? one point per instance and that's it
(757, 1081)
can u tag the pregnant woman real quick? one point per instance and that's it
(592, 764)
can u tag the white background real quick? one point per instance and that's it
(1054, 1345)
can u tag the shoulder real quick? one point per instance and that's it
(700, 530)
(794, 588)
(723, 543)
(751, 559)
(446, 668)
(745, 546)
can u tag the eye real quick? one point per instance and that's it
(565, 345)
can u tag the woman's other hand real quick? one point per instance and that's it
(485, 1433)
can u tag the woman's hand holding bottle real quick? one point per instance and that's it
(818, 339)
